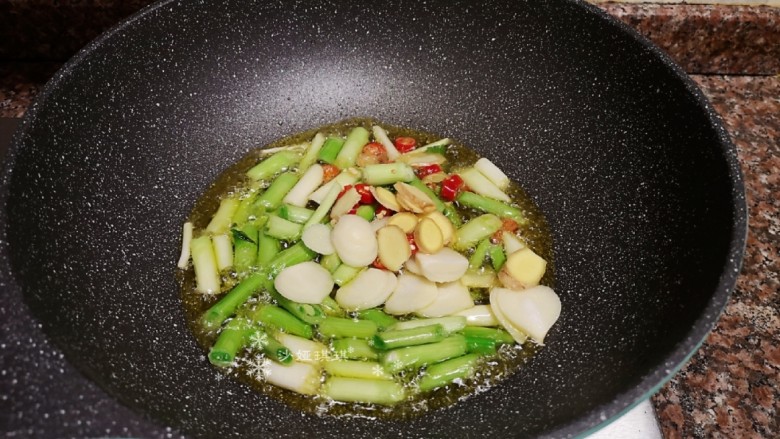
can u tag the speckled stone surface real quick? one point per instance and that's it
(710, 39)
(701, 38)
(731, 387)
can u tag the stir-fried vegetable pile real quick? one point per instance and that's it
(358, 279)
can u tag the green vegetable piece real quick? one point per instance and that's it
(452, 214)
(204, 262)
(489, 205)
(312, 151)
(277, 318)
(408, 337)
(418, 356)
(330, 262)
(434, 146)
(437, 149)
(345, 273)
(449, 323)
(226, 307)
(476, 230)
(292, 255)
(481, 346)
(331, 307)
(364, 390)
(366, 212)
(261, 340)
(387, 173)
(272, 197)
(245, 207)
(325, 206)
(498, 335)
(497, 256)
(336, 327)
(439, 375)
(274, 164)
(298, 215)
(331, 149)
(478, 257)
(307, 312)
(245, 247)
(282, 229)
(382, 320)
(222, 218)
(232, 338)
(353, 349)
(356, 140)
(267, 248)
(357, 369)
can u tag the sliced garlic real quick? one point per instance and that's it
(369, 289)
(492, 173)
(452, 297)
(354, 241)
(412, 266)
(385, 198)
(533, 311)
(378, 223)
(307, 282)
(303, 378)
(411, 294)
(344, 204)
(446, 265)
(317, 238)
(517, 334)
(412, 199)
(511, 243)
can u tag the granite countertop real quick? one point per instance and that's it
(731, 386)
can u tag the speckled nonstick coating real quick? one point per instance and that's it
(631, 166)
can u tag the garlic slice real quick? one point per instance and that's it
(446, 265)
(532, 311)
(307, 282)
(368, 290)
(411, 294)
(354, 241)
(453, 297)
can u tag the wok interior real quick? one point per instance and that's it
(604, 135)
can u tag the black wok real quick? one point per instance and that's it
(636, 175)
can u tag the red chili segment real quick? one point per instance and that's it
(422, 171)
(450, 187)
(405, 144)
(344, 190)
(366, 197)
(382, 211)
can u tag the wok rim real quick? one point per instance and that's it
(600, 415)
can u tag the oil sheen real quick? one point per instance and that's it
(248, 368)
